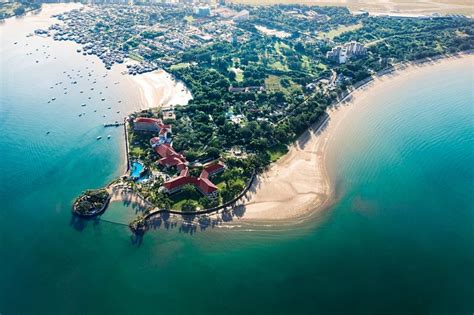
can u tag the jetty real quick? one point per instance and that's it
(114, 124)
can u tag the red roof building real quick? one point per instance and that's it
(212, 169)
(150, 124)
(165, 150)
(177, 183)
(206, 186)
(170, 158)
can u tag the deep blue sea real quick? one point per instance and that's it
(398, 240)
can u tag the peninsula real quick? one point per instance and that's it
(259, 78)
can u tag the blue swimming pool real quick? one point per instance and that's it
(137, 169)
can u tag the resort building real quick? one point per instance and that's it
(202, 183)
(150, 125)
(212, 169)
(170, 158)
(341, 54)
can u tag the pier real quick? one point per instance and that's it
(115, 124)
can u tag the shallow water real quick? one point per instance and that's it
(399, 240)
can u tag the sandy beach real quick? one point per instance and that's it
(297, 185)
(127, 196)
(160, 89)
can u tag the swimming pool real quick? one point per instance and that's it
(137, 169)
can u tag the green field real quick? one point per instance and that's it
(338, 31)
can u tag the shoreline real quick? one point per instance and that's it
(158, 89)
(298, 185)
(292, 178)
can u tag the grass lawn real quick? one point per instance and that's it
(338, 31)
(180, 197)
(272, 82)
(277, 151)
(181, 65)
(279, 66)
(239, 74)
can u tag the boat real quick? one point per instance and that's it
(108, 137)
(53, 99)
(83, 104)
(99, 137)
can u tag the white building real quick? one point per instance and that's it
(202, 11)
(342, 53)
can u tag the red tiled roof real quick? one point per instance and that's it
(206, 185)
(184, 172)
(214, 167)
(165, 150)
(147, 120)
(154, 140)
(180, 181)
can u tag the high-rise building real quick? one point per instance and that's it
(342, 53)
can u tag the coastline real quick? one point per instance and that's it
(160, 89)
(298, 185)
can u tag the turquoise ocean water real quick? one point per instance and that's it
(399, 239)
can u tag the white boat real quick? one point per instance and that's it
(99, 137)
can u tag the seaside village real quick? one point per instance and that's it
(168, 158)
(156, 35)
